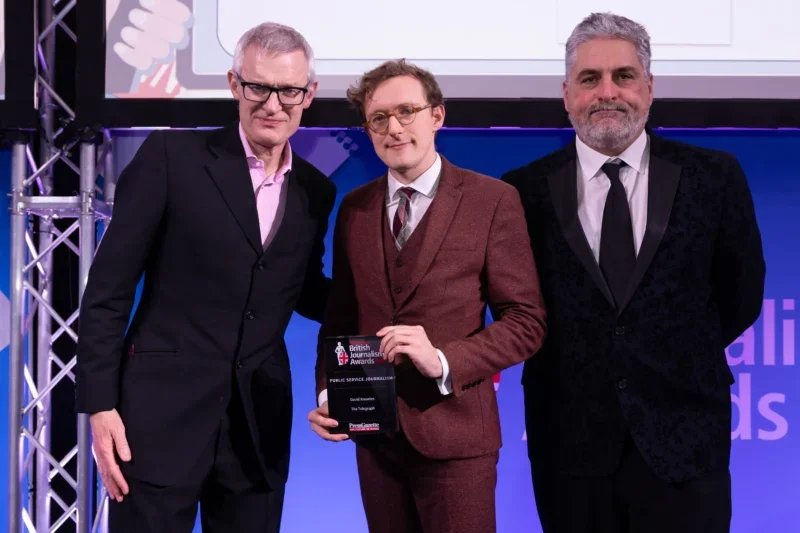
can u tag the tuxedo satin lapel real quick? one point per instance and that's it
(371, 218)
(232, 178)
(564, 191)
(662, 183)
(440, 214)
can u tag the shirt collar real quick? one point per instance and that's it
(425, 184)
(254, 162)
(591, 160)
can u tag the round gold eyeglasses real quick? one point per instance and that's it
(405, 115)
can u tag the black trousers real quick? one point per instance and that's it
(227, 482)
(632, 500)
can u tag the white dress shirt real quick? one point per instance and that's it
(593, 187)
(425, 186)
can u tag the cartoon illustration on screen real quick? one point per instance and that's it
(143, 37)
(183, 48)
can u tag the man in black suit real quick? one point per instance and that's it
(651, 263)
(227, 227)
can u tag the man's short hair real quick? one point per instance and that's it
(609, 26)
(358, 94)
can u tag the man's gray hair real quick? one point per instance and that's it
(609, 26)
(274, 38)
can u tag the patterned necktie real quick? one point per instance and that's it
(617, 251)
(400, 228)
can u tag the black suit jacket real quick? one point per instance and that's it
(655, 367)
(214, 306)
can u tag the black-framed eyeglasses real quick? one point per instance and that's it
(405, 115)
(257, 92)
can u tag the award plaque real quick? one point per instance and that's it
(361, 386)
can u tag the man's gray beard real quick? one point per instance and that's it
(612, 137)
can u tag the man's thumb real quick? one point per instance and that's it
(121, 443)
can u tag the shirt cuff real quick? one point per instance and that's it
(323, 397)
(444, 383)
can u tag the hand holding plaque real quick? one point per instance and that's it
(361, 386)
(411, 342)
(322, 424)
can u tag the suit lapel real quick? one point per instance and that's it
(440, 213)
(288, 217)
(231, 175)
(564, 191)
(373, 247)
(663, 178)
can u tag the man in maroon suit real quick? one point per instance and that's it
(419, 254)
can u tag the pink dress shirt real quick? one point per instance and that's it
(267, 188)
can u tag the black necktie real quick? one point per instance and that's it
(617, 252)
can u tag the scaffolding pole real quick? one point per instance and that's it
(43, 344)
(87, 232)
(15, 353)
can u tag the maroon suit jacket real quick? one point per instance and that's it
(475, 252)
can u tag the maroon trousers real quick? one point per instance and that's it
(403, 491)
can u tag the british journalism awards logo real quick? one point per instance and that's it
(341, 354)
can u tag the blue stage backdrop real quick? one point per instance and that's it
(323, 492)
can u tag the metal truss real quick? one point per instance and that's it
(37, 500)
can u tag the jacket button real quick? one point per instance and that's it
(260, 265)
(395, 321)
(398, 290)
(622, 384)
(239, 365)
(249, 315)
(398, 263)
(619, 330)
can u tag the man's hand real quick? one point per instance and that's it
(321, 424)
(108, 435)
(399, 342)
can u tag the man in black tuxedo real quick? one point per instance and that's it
(227, 227)
(651, 263)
